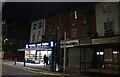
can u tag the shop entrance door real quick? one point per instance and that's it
(44, 56)
(99, 58)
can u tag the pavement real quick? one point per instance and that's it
(40, 68)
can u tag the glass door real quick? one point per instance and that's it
(100, 59)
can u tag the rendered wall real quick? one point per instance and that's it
(101, 18)
(38, 32)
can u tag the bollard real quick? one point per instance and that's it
(15, 60)
(24, 63)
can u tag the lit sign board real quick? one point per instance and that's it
(39, 45)
(26, 46)
(45, 44)
(51, 43)
(32, 45)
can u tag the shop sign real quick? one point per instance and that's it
(40, 45)
(106, 40)
(70, 43)
(43, 45)
(109, 60)
(85, 41)
(32, 45)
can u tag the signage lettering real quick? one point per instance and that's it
(38, 45)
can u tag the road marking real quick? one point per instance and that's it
(36, 70)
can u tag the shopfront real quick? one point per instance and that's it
(103, 56)
(36, 52)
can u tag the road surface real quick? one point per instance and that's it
(10, 71)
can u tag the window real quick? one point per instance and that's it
(85, 12)
(40, 25)
(85, 29)
(73, 32)
(34, 27)
(115, 52)
(108, 27)
(33, 37)
(107, 8)
(74, 14)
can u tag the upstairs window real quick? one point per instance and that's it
(74, 14)
(85, 29)
(40, 25)
(108, 27)
(107, 8)
(73, 32)
(34, 27)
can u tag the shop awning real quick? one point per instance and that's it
(42, 48)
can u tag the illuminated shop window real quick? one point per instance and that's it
(115, 52)
(33, 52)
(6, 39)
(100, 53)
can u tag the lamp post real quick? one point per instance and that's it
(57, 47)
(64, 69)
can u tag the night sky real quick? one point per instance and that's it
(31, 11)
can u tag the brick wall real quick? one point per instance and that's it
(65, 22)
